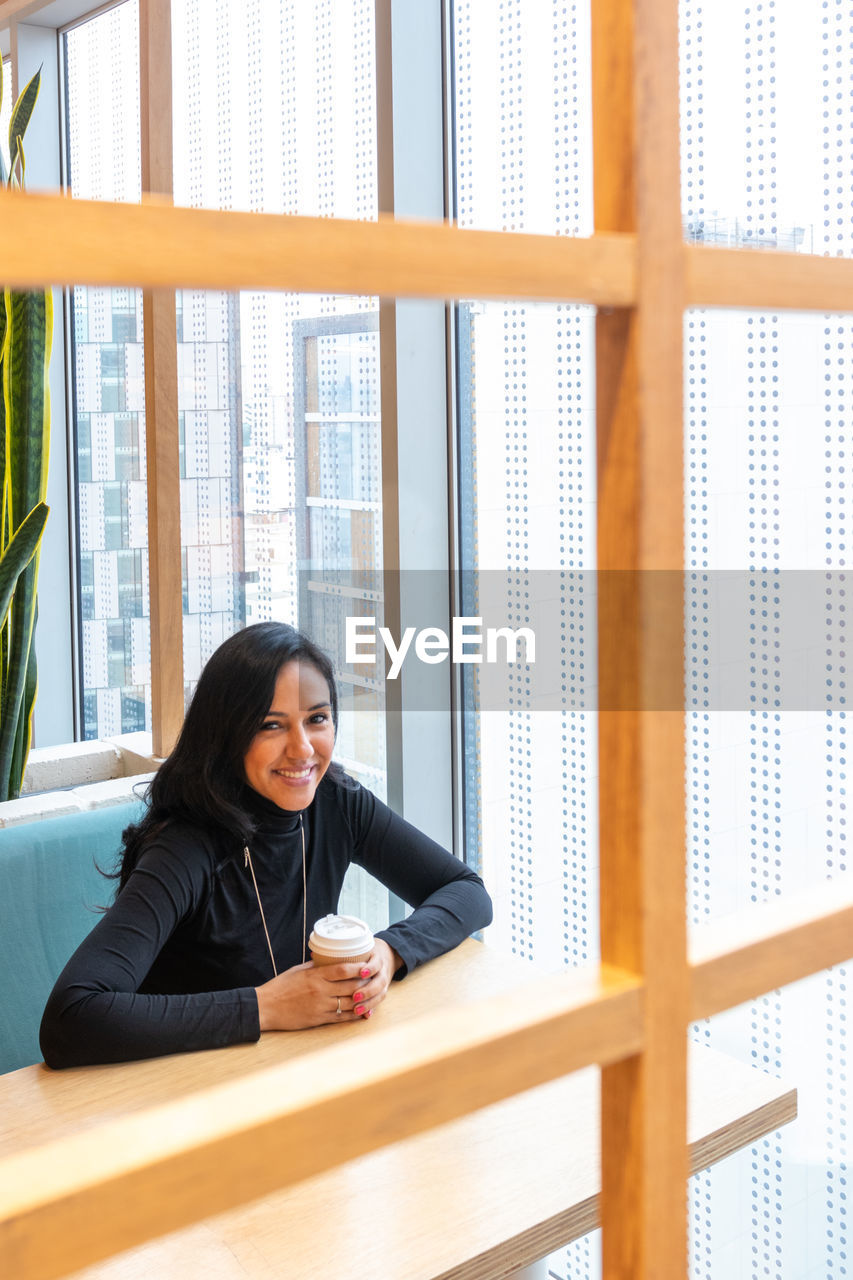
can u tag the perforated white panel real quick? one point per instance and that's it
(522, 145)
(767, 138)
(764, 110)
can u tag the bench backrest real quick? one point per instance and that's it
(50, 892)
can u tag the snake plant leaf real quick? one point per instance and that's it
(16, 706)
(24, 731)
(22, 160)
(4, 492)
(19, 553)
(26, 354)
(21, 113)
(29, 321)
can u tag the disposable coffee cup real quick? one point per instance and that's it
(340, 940)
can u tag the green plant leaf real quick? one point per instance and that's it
(26, 331)
(21, 113)
(4, 496)
(24, 733)
(20, 627)
(22, 160)
(19, 553)
(29, 321)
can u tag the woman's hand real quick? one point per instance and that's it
(376, 974)
(310, 995)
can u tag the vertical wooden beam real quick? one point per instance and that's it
(640, 558)
(161, 395)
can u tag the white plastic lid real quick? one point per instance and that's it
(341, 935)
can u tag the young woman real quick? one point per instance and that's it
(249, 830)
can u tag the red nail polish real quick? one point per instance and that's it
(368, 1013)
(358, 997)
(365, 973)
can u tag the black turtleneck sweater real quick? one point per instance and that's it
(174, 963)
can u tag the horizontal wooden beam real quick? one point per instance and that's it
(745, 955)
(61, 241)
(64, 242)
(80, 1198)
(552, 1133)
(20, 9)
(764, 279)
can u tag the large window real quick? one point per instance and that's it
(278, 394)
(108, 397)
(246, 138)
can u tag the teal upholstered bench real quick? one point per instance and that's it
(50, 892)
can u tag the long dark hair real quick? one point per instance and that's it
(203, 781)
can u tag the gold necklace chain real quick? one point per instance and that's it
(247, 862)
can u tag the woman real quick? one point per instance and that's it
(249, 831)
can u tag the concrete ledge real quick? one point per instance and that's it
(51, 804)
(55, 804)
(52, 768)
(136, 752)
(75, 764)
(82, 775)
(114, 791)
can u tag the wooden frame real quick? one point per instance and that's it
(153, 244)
(635, 104)
(642, 276)
(169, 1165)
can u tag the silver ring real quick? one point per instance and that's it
(339, 1006)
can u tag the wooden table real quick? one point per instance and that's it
(478, 1197)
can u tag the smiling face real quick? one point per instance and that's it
(293, 747)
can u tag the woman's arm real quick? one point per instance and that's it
(450, 900)
(96, 1013)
